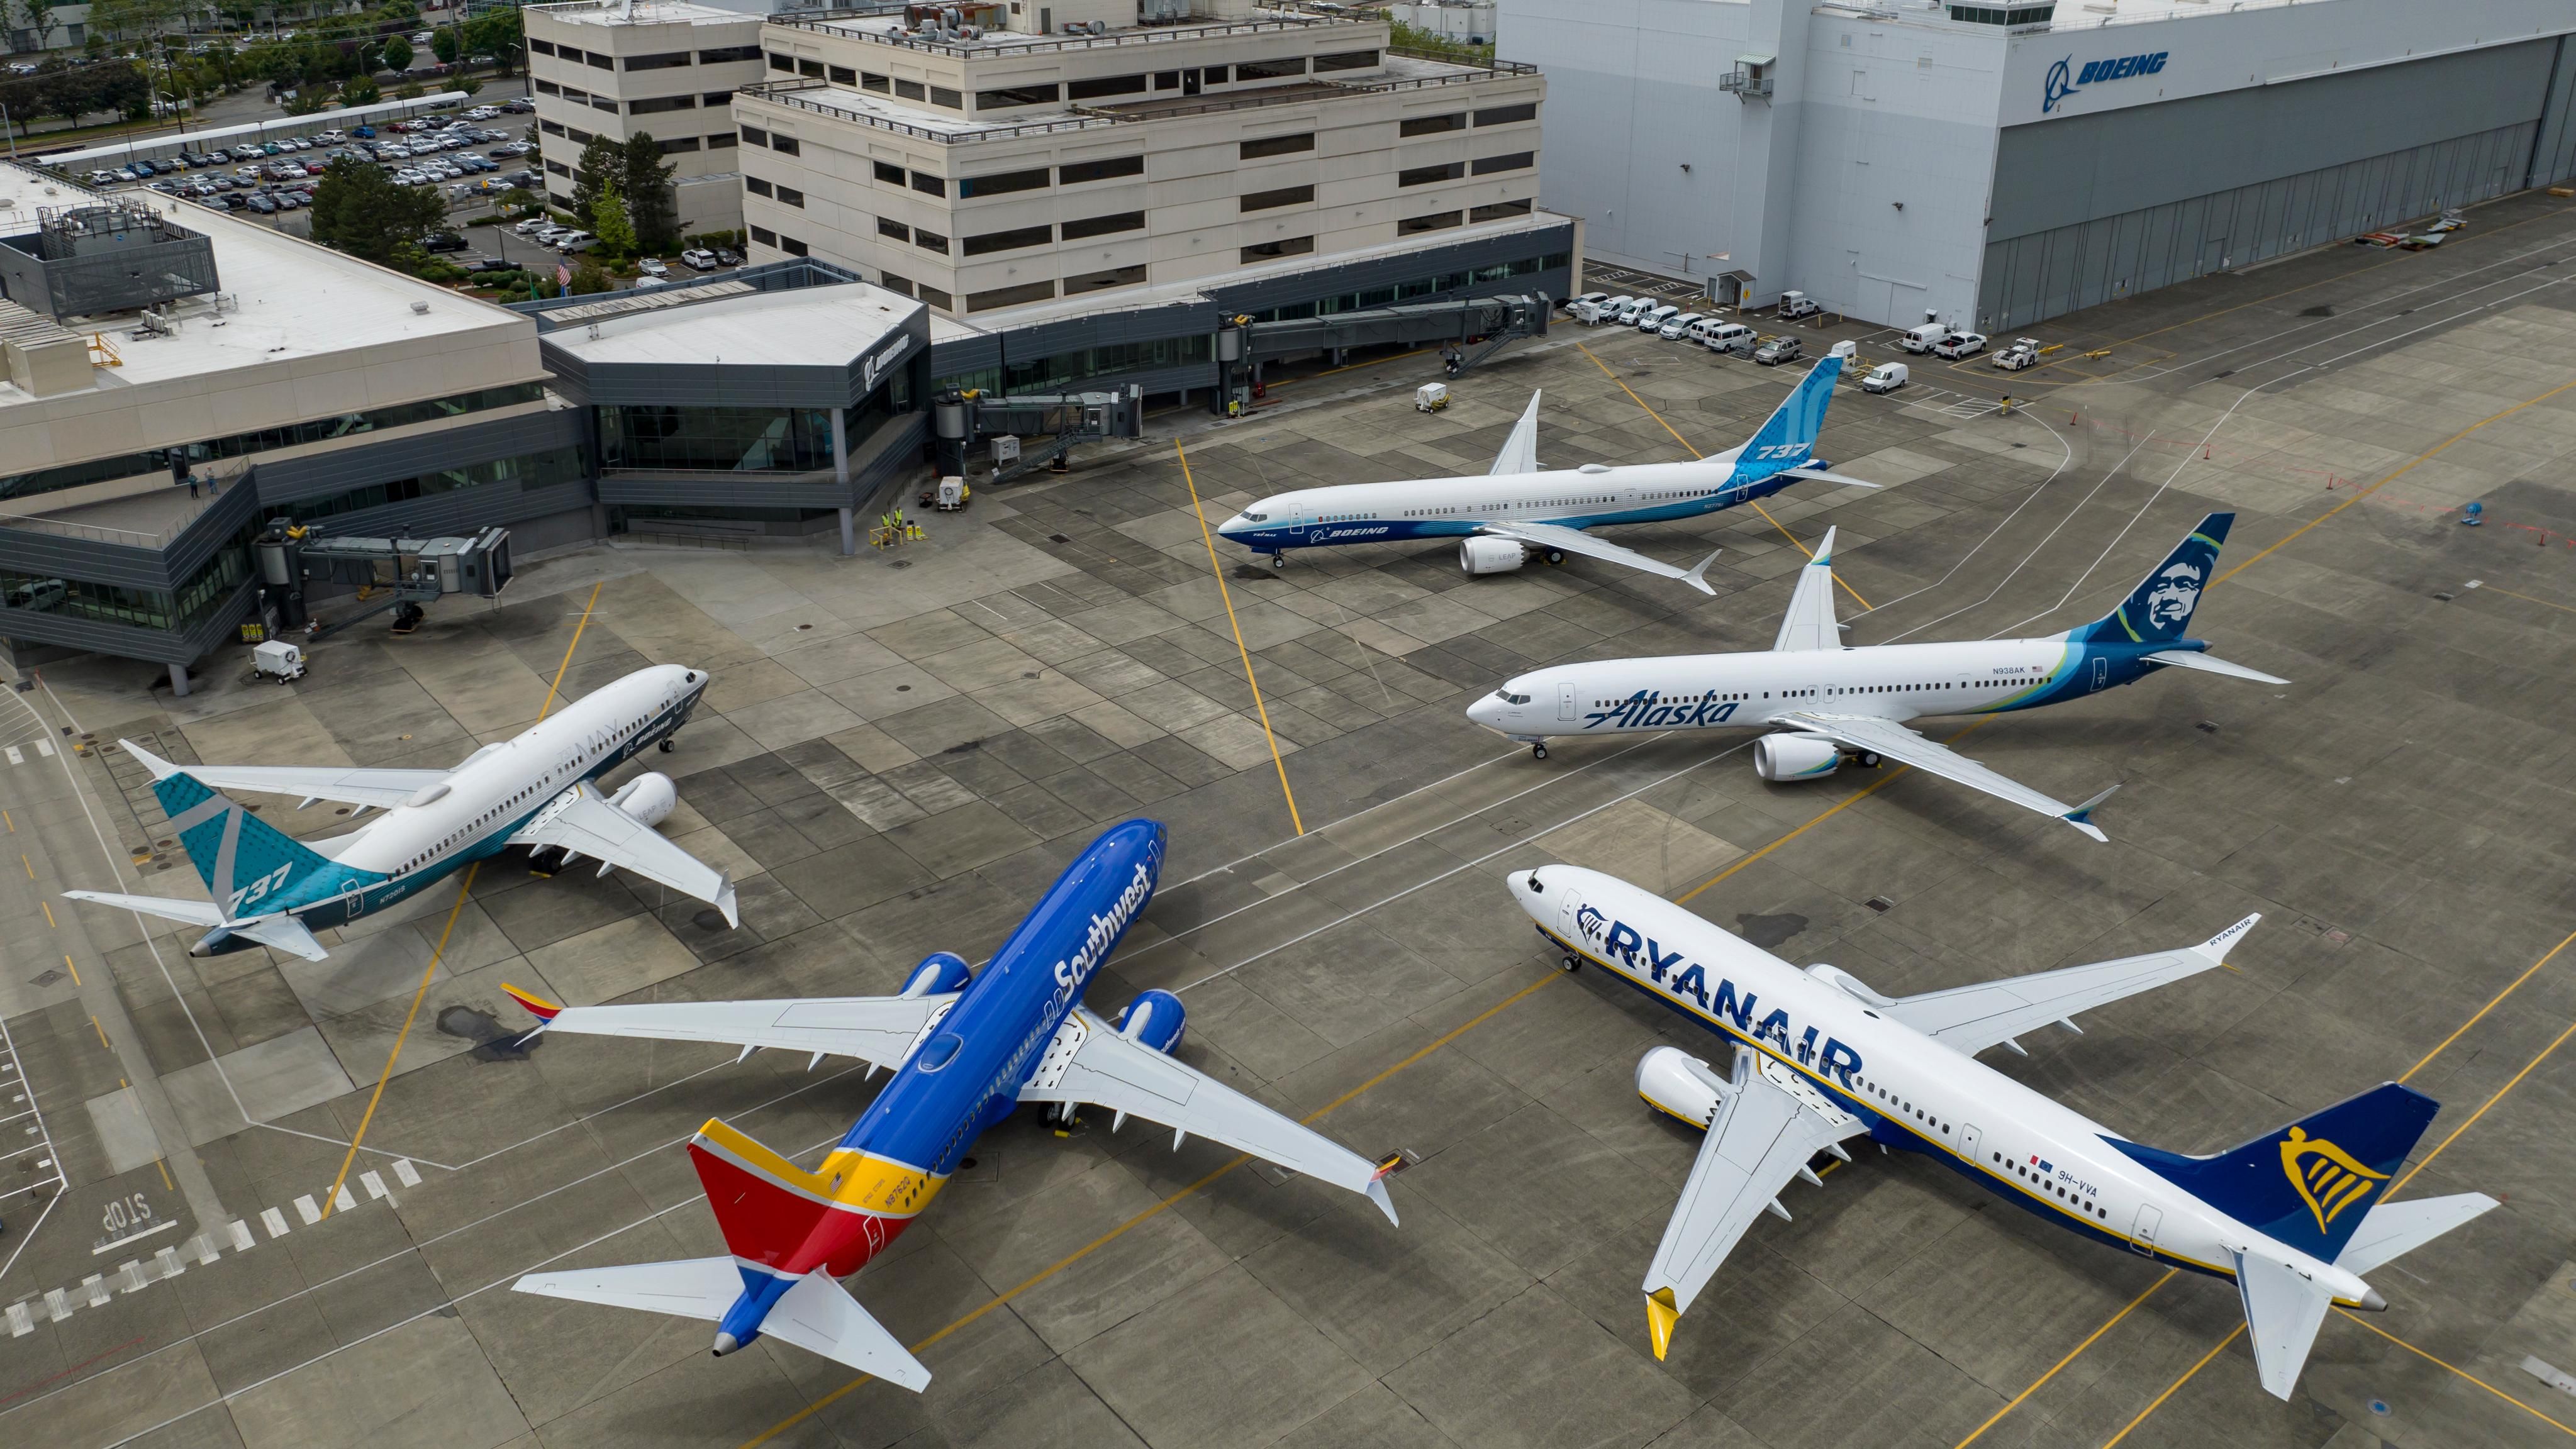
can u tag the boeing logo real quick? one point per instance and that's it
(2064, 80)
(1643, 710)
(1329, 535)
(1621, 944)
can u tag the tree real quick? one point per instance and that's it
(646, 179)
(442, 43)
(496, 33)
(601, 159)
(609, 221)
(397, 53)
(588, 278)
(40, 18)
(360, 210)
(361, 92)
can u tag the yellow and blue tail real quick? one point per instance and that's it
(2308, 1184)
(2159, 609)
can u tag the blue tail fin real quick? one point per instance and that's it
(1788, 437)
(243, 859)
(2159, 609)
(2311, 1183)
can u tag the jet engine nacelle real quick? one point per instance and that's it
(648, 797)
(1795, 757)
(1672, 1080)
(1154, 1019)
(1490, 556)
(939, 971)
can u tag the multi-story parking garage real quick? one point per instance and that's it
(1995, 164)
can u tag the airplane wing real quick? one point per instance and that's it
(1134, 1080)
(1768, 1123)
(2193, 659)
(1809, 624)
(1894, 741)
(581, 821)
(1520, 450)
(349, 785)
(1575, 540)
(1820, 475)
(877, 1029)
(1973, 1018)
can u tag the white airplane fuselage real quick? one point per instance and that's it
(1914, 1092)
(1445, 508)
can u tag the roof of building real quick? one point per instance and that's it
(824, 326)
(642, 12)
(891, 115)
(282, 298)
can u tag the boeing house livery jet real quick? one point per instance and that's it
(1830, 704)
(2296, 1217)
(538, 789)
(966, 1050)
(1517, 509)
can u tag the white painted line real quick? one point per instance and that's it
(275, 1221)
(242, 1240)
(405, 1173)
(15, 757)
(21, 1322)
(343, 1202)
(130, 1278)
(305, 1208)
(163, 1226)
(94, 1287)
(56, 1305)
(45, 748)
(204, 1244)
(375, 1185)
(168, 1259)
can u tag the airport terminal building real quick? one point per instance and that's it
(1997, 163)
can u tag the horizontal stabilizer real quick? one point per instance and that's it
(2310, 1184)
(819, 1316)
(2397, 1228)
(692, 1288)
(2283, 1308)
(194, 913)
(2194, 659)
(285, 933)
(1820, 475)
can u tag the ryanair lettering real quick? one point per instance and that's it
(1075, 969)
(1671, 972)
(1648, 710)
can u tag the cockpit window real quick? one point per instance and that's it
(1256, 517)
(1507, 697)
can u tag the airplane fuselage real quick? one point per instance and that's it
(1892, 681)
(1914, 1092)
(475, 810)
(966, 1071)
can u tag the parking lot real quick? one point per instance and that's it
(900, 750)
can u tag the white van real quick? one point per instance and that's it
(1677, 328)
(1886, 377)
(1653, 318)
(1627, 313)
(1592, 314)
(1919, 340)
(1724, 336)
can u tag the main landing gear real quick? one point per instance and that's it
(668, 744)
(1556, 555)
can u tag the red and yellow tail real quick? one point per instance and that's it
(537, 1006)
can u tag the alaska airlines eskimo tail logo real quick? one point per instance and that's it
(2173, 596)
(2326, 1176)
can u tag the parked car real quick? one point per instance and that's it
(1794, 305)
(728, 257)
(1886, 377)
(1596, 298)
(442, 241)
(575, 241)
(1677, 328)
(1779, 350)
(490, 265)
(700, 258)
(1922, 339)
(363, 133)
(653, 267)
(261, 204)
(1960, 344)
(1733, 339)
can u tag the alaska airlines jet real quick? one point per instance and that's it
(1831, 704)
(1819, 1059)
(539, 789)
(1517, 510)
(966, 1050)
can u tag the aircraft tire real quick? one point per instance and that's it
(1538, 751)
(1569, 963)
(668, 744)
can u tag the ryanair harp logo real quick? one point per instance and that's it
(2327, 1178)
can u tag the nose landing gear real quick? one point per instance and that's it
(1538, 749)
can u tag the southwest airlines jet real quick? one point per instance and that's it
(1517, 509)
(2295, 1218)
(966, 1050)
(1829, 704)
(538, 789)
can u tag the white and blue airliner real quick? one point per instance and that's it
(1518, 510)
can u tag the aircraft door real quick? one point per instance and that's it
(2101, 673)
(1565, 702)
(2144, 1239)
(1969, 1138)
(1568, 907)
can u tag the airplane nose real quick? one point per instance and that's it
(1523, 882)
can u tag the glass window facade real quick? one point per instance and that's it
(242, 445)
(529, 470)
(1048, 374)
(716, 440)
(174, 609)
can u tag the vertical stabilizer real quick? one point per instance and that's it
(244, 861)
(1788, 438)
(2159, 609)
(2311, 1184)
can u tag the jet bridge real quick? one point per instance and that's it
(1468, 330)
(960, 419)
(411, 572)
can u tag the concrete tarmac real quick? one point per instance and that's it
(900, 750)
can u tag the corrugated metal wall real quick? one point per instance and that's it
(2321, 167)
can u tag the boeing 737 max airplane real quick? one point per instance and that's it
(1517, 510)
(967, 1050)
(1830, 704)
(537, 789)
(2295, 1218)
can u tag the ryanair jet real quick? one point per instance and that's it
(539, 789)
(2296, 1218)
(966, 1048)
(1828, 705)
(1517, 510)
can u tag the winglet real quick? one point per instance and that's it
(1377, 1193)
(1661, 1315)
(543, 1010)
(161, 769)
(2081, 817)
(1697, 578)
(1520, 450)
(724, 901)
(2217, 947)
